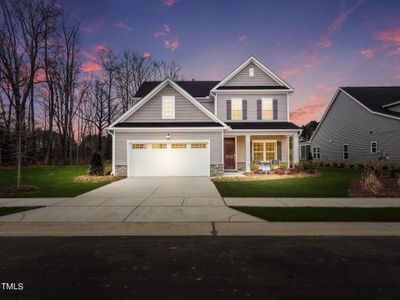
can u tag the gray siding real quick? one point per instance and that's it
(252, 106)
(395, 108)
(259, 78)
(207, 103)
(347, 122)
(122, 137)
(185, 111)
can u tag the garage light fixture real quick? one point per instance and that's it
(168, 136)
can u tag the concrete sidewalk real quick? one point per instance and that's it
(316, 202)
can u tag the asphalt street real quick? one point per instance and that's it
(200, 267)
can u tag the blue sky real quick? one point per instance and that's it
(315, 45)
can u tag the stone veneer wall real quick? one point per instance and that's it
(241, 166)
(121, 171)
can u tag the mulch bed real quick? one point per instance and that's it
(391, 189)
(97, 179)
(258, 177)
(22, 189)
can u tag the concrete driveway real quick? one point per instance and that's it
(146, 199)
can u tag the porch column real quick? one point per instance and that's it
(247, 152)
(296, 148)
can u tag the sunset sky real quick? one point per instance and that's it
(315, 45)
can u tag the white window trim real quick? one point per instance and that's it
(164, 98)
(264, 141)
(317, 152)
(348, 152)
(264, 100)
(241, 108)
(376, 147)
(251, 72)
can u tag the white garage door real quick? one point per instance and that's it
(172, 158)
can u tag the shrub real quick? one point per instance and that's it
(321, 164)
(254, 167)
(283, 165)
(307, 165)
(341, 165)
(96, 165)
(107, 167)
(334, 164)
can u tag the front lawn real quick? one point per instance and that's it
(51, 181)
(323, 214)
(12, 210)
(333, 182)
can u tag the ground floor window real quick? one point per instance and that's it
(264, 150)
(316, 154)
(345, 151)
(374, 147)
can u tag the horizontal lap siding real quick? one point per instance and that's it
(185, 111)
(252, 106)
(259, 78)
(347, 122)
(122, 137)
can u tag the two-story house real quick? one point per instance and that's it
(204, 128)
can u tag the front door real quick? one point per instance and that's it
(229, 154)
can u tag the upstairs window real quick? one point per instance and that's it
(236, 108)
(266, 108)
(374, 147)
(345, 151)
(168, 107)
(251, 72)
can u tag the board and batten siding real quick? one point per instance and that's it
(252, 106)
(121, 139)
(347, 122)
(185, 111)
(243, 79)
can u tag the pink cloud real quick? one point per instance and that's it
(168, 3)
(171, 45)
(99, 48)
(123, 24)
(391, 36)
(146, 55)
(397, 77)
(368, 53)
(306, 113)
(91, 67)
(88, 55)
(243, 38)
(290, 72)
(164, 32)
(94, 26)
(324, 42)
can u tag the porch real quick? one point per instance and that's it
(242, 149)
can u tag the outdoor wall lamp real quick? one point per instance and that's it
(168, 136)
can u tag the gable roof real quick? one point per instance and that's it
(192, 87)
(255, 61)
(158, 88)
(376, 98)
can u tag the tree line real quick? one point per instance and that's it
(51, 112)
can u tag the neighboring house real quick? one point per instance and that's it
(360, 124)
(203, 128)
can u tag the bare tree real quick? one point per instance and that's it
(21, 35)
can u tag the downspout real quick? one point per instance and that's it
(112, 133)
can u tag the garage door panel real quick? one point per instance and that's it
(170, 161)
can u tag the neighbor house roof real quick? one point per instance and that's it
(193, 87)
(262, 125)
(253, 87)
(166, 124)
(375, 98)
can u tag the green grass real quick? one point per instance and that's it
(52, 181)
(323, 214)
(12, 210)
(333, 182)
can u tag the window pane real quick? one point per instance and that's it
(139, 146)
(178, 146)
(159, 146)
(269, 156)
(199, 146)
(168, 107)
(258, 156)
(236, 109)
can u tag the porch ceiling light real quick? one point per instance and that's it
(168, 136)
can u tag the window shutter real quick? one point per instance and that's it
(228, 109)
(259, 109)
(279, 150)
(275, 109)
(244, 109)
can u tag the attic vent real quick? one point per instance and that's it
(251, 72)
